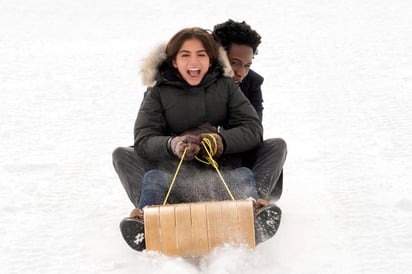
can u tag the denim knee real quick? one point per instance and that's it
(243, 172)
(156, 178)
(243, 183)
(152, 175)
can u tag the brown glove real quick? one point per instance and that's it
(179, 143)
(204, 128)
(213, 143)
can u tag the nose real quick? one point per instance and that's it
(194, 60)
(241, 72)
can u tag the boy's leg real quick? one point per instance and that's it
(130, 168)
(267, 163)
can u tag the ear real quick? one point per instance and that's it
(174, 63)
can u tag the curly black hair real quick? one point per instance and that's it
(241, 33)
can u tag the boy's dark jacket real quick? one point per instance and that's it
(251, 87)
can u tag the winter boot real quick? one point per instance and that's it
(267, 220)
(132, 229)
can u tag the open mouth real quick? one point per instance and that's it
(193, 72)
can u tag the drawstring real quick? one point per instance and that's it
(211, 151)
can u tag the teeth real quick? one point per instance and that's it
(194, 71)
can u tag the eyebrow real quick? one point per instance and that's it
(240, 61)
(187, 51)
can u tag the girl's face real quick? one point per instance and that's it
(192, 62)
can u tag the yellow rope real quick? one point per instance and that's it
(209, 160)
(211, 151)
(207, 145)
(174, 177)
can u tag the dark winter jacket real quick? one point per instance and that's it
(171, 106)
(251, 87)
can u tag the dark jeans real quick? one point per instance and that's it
(198, 185)
(266, 163)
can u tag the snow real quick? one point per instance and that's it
(337, 88)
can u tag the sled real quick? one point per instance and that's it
(195, 229)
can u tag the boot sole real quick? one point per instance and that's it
(267, 222)
(133, 233)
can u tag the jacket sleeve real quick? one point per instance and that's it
(244, 130)
(150, 140)
(251, 86)
(256, 101)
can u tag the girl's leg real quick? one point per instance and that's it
(241, 183)
(205, 185)
(154, 188)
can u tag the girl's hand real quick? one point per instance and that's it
(178, 145)
(214, 144)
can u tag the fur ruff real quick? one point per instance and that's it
(150, 64)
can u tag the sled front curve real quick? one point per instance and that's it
(195, 229)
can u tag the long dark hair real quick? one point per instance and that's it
(176, 42)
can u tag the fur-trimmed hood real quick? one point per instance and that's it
(150, 65)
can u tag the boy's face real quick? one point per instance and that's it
(240, 57)
(192, 61)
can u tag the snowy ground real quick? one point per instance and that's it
(338, 89)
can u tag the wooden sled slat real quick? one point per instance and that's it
(231, 228)
(195, 229)
(246, 223)
(199, 230)
(168, 241)
(152, 219)
(214, 224)
(183, 227)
